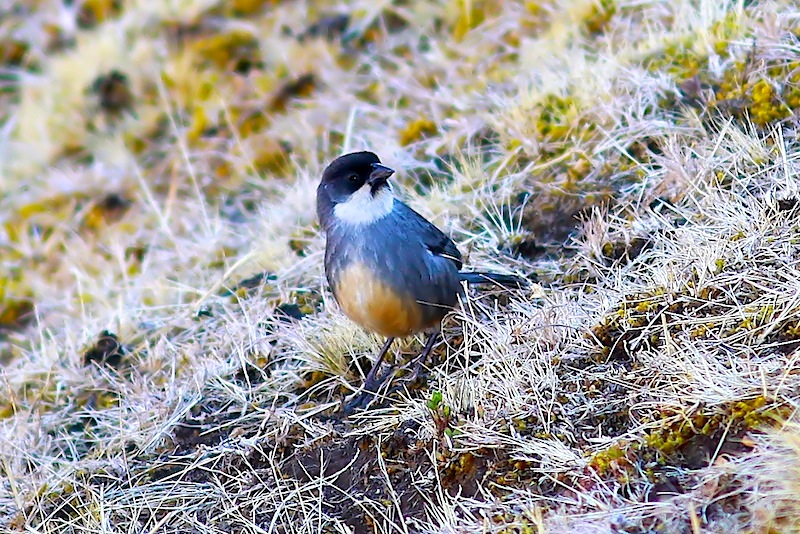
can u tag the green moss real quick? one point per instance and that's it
(40, 219)
(765, 100)
(557, 116)
(758, 412)
(599, 17)
(416, 130)
(243, 8)
(722, 32)
(610, 460)
(94, 12)
(684, 60)
(677, 59)
(672, 437)
(766, 106)
(470, 14)
(235, 50)
(733, 95)
(15, 313)
(735, 417)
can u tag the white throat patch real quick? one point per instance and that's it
(363, 208)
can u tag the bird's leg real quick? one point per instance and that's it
(420, 360)
(424, 355)
(371, 383)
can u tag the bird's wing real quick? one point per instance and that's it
(433, 238)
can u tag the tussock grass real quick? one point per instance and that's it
(172, 360)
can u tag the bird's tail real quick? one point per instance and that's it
(508, 281)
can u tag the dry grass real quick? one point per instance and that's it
(172, 360)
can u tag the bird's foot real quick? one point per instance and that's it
(359, 402)
(420, 372)
(415, 381)
(362, 399)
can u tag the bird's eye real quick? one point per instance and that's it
(353, 178)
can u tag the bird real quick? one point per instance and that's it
(390, 270)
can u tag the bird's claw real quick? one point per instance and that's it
(360, 401)
(363, 398)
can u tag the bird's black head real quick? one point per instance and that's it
(349, 173)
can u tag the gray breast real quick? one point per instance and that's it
(394, 251)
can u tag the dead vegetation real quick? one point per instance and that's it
(172, 360)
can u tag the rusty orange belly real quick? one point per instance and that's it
(375, 306)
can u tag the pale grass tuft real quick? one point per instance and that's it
(648, 383)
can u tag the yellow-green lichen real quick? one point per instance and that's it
(766, 106)
(234, 50)
(416, 130)
(612, 460)
(94, 12)
(469, 14)
(737, 416)
(600, 15)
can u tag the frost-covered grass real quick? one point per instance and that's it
(173, 361)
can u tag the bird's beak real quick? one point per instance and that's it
(379, 175)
